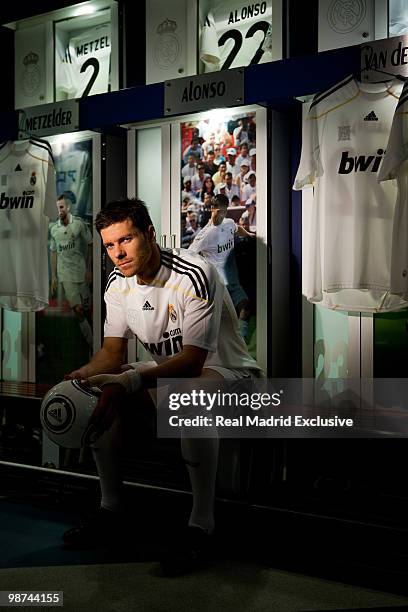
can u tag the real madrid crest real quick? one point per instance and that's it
(168, 46)
(31, 75)
(344, 16)
(172, 313)
(33, 178)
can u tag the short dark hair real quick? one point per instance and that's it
(120, 210)
(220, 201)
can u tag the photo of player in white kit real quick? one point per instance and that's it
(174, 302)
(215, 242)
(71, 264)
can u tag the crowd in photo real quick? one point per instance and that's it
(218, 159)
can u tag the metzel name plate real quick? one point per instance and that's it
(203, 92)
(389, 55)
(48, 119)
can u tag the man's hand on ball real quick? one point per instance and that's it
(108, 407)
(114, 388)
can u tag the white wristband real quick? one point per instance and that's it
(132, 381)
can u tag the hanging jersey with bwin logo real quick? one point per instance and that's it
(27, 199)
(349, 226)
(84, 70)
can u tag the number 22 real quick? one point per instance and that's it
(236, 36)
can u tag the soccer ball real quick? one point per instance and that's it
(65, 413)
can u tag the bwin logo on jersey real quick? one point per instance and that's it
(361, 163)
(171, 346)
(67, 247)
(225, 247)
(22, 201)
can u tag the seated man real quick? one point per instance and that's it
(215, 242)
(151, 293)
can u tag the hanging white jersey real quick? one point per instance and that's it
(344, 140)
(70, 243)
(74, 178)
(27, 199)
(395, 166)
(185, 304)
(215, 243)
(234, 32)
(84, 69)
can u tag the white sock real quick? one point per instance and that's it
(86, 332)
(201, 457)
(106, 453)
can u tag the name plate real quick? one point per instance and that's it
(203, 92)
(389, 55)
(48, 119)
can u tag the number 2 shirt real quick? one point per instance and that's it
(84, 70)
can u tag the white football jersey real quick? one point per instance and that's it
(395, 166)
(345, 137)
(233, 33)
(74, 174)
(84, 69)
(70, 243)
(27, 199)
(215, 243)
(186, 304)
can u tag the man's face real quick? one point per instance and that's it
(187, 185)
(62, 209)
(244, 170)
(222, 167)
(244, 151)
(129, 249)
(231, 159)
(200, 170)
(228, 179)
(211, 157)
(252, 180)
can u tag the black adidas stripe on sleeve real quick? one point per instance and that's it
(195, 268)
(321, 96)
(42, 144)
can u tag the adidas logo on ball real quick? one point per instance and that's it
(65, 413)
